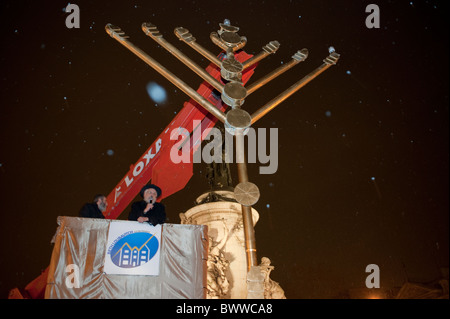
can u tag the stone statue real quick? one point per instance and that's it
(219, 179)
(272, 290)
(218, 174)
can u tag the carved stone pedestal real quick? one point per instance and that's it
(227, 264)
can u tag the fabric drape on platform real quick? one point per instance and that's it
(83, 241)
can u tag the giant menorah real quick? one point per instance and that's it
(233, 94)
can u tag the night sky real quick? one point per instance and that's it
(363, 149)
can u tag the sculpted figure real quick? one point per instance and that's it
(272, 290)
(217, 265)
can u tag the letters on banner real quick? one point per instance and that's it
(133, 249)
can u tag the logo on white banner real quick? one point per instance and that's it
(133, 249)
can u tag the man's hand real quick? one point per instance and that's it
(149, 206)
(142, 219)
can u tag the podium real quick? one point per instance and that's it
(76, 269)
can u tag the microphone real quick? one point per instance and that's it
(151, 201)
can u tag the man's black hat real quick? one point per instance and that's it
(156, 188)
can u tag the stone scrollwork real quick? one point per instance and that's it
(186, 220)
(217, 281)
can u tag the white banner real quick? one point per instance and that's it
(133, 248)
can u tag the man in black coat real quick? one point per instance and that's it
(148, 210)
(96, 208)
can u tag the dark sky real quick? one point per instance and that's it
(68, 96)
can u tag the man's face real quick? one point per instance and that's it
(101, 203)
(150, 194)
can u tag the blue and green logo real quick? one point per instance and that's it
(134, 250)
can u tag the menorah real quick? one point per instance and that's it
(236, 121)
